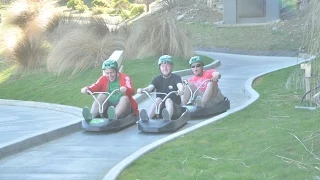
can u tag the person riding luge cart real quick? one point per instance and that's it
(102, 122)
(168, 90)
(114, 107)
(198, 111)
(202, 95)
(158, 123)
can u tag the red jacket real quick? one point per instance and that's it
(102, 85)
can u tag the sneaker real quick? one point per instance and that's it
(189, 103)
(165, 114)
(144, 115)
(86, 113)
(111, 113)
(198, 101)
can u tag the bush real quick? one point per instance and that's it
(136, 10)
(74, 4)
(84, 47)
(100, 3)
(98, 9)
(82, 8)
(122, 4)
(125, 14)
(156, 35)
(110, 11)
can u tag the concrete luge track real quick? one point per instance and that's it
(85, 155)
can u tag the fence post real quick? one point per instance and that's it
(307, 69)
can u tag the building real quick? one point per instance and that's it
(250, 11)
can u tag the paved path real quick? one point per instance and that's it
(30, 122)
(85, 155)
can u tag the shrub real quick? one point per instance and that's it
(100, 3)
(82, 8)
(110, 11)
(83, 48)
(28, 11)
(122, 4)
(74, 3)
(27, 45)
(136, 10)
(98, 9)
(24, 48)
(60, 24)
(157, 35)
(125, 14)
(30, 54)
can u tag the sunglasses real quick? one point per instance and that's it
(197, 65)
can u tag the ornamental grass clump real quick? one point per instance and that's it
(311, 46)
(25, 44)
(83, 48)
(157, 35)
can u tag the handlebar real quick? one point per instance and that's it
(192, 98)
(157, 110)
(108, 97)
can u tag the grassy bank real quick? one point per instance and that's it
(261, 38)
(268, 140)
(45, 87)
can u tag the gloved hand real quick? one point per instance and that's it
(180, 92)
(185, 82)
(84, 90)
(139, 90)
(215, 77)
(123, 89)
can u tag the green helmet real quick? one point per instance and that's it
(195, 59)
(110, 64)
(165, 59)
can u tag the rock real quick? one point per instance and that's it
(180, 17)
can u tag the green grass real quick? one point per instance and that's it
(245, 38)
(45, 87)
(246, 145)
(249, 144)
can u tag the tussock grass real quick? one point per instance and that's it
(30, 53)
(25, 43)
(311, 45)
(312, 27)
(84, 47)
(21, 86)
(24, 48)
(23, 12)
(59, 24)
(296, 80)
(157, 35)
(73, 44)
(5, 1)
(29, 50)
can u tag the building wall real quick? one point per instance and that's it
(230, 11)
(272, 10)
(251, 8)
(250, 11)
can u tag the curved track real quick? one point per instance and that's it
(85, 155)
